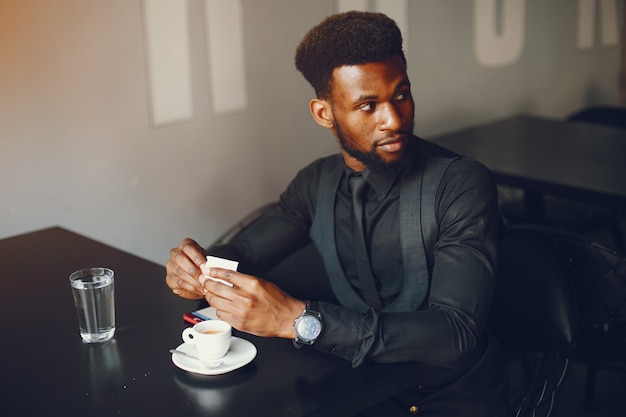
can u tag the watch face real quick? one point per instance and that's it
(309, 327)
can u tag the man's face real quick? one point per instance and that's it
(372, 111)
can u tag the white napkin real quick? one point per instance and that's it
(215, 262)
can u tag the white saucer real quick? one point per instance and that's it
(241, 353)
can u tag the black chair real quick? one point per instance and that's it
(574, 215)
(599, 276)
(301, 275)
(533, 316)
(243, 224)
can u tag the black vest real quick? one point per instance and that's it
(418, 227)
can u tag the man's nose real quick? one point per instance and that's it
(391, 118)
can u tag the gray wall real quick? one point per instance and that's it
(78, 149)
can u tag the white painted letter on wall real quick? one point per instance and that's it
(587, 23)
(495, 48)
(169, 67)
(347, 5)
(608, 14)
(398, 10)
(227, 68)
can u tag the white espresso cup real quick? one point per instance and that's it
(211, 338)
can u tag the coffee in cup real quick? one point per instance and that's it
(211, 338)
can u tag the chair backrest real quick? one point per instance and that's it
(301, 275)
(534, 317)
(243, 224)
(599, 277)
(534, 305)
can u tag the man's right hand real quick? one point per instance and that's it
(183, 270)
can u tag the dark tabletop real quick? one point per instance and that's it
(47, 370)
(569, 159)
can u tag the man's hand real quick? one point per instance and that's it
(183, 270)
(253, 305)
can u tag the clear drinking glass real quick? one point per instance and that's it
(94, 298)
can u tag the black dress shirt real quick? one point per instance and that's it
(381, 229)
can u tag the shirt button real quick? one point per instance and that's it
(413, 409)
(420, 387)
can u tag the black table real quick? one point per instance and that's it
(548, 156)
(47, 370)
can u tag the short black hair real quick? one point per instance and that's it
(350, 38)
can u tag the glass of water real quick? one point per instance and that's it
(94, 298)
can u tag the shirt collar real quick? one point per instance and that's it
(382, 182)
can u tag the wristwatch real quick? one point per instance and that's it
(308, 326)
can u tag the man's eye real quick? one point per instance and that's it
(367, 107)
(402, 96)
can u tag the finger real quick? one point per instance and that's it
(184, 287)
(238, 300)
(182, 261)
(183, 291)
(219, 290)
(222, 305)
(218, 280)
(193, 251)
(189, 295)
(229, 277)
(182, 272)
(228, 318)
(217, 275)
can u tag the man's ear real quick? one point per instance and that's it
(321, 112)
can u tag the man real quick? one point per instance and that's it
(422, 289)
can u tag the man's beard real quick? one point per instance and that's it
(370, 159)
